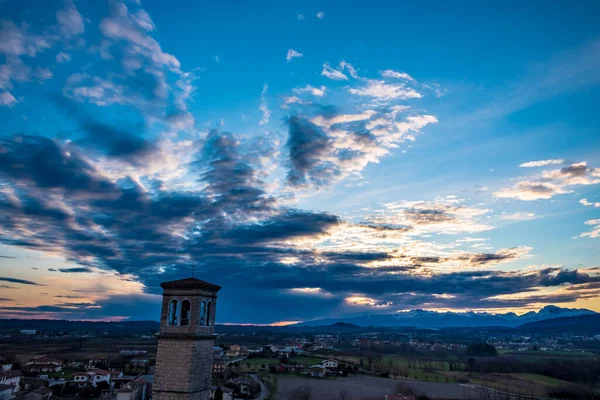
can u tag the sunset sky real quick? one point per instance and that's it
(314, 158)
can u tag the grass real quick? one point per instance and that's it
(538, 378)
(553, 353)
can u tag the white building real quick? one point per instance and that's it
(93, 376)
(44, 364)
(331, 363)
(28, 332)
(10, 379)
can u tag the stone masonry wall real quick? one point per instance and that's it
(183, 368)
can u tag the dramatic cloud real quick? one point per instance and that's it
(551, 183)
(292, 54)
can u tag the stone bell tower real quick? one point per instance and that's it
(185, 345)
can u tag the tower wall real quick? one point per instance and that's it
(185, 345)
(183, 369)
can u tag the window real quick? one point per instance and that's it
(172, 321)
(186, 313)
(208, 313)
(202, 312)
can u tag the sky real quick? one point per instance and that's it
(316, 159)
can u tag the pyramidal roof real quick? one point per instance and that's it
(190, 283)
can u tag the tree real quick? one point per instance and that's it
(301, 393)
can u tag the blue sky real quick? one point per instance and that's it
(315, 159)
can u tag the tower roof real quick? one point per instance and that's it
(190, 283)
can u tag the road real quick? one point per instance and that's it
(264, 390)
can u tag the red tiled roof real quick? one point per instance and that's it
(99, 371)
(10, 374)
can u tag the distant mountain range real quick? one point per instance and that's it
(432, 319)
(583, 323)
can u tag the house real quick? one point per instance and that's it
(221, 393)
(139, 388)
(317, 371)
(5, 367)
(7, 392)
(219, 367)
(331, 363)
(28, 332)
(43, 364)
(11, 378)
(138, 362)
(41, 393)
(245, 385)
(234, 350)
(93, 376)
(218, 352)
(114, 374)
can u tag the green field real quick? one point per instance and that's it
(557, 353)
(256, 363)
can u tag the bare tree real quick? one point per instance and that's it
(301, 393)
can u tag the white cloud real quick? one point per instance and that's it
(351, 70)
(325, 122)
(264, 108)
(531, 190)
(17, 41)
(541, 163)
(287, 100)
(518, 216)
(334, 74)
(42, 74)
(388, 73)
(123, 26)
(217, 59)
(291, 53)
(385, 91)
(587, 203)
(7, 99)
(63, 57)
(319, 92)
(320, 15)
(300, 17)
(595, 232)
(70, 21)
(143, 20)
(553, 182)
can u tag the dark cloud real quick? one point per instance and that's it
(5, 299)
(75, 270)
(236, 233)
(21, 281)
(308, 147)
(110, 140)
(47, 165)
(8, 257)
(566, 276)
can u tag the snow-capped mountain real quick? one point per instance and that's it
(434, 319)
